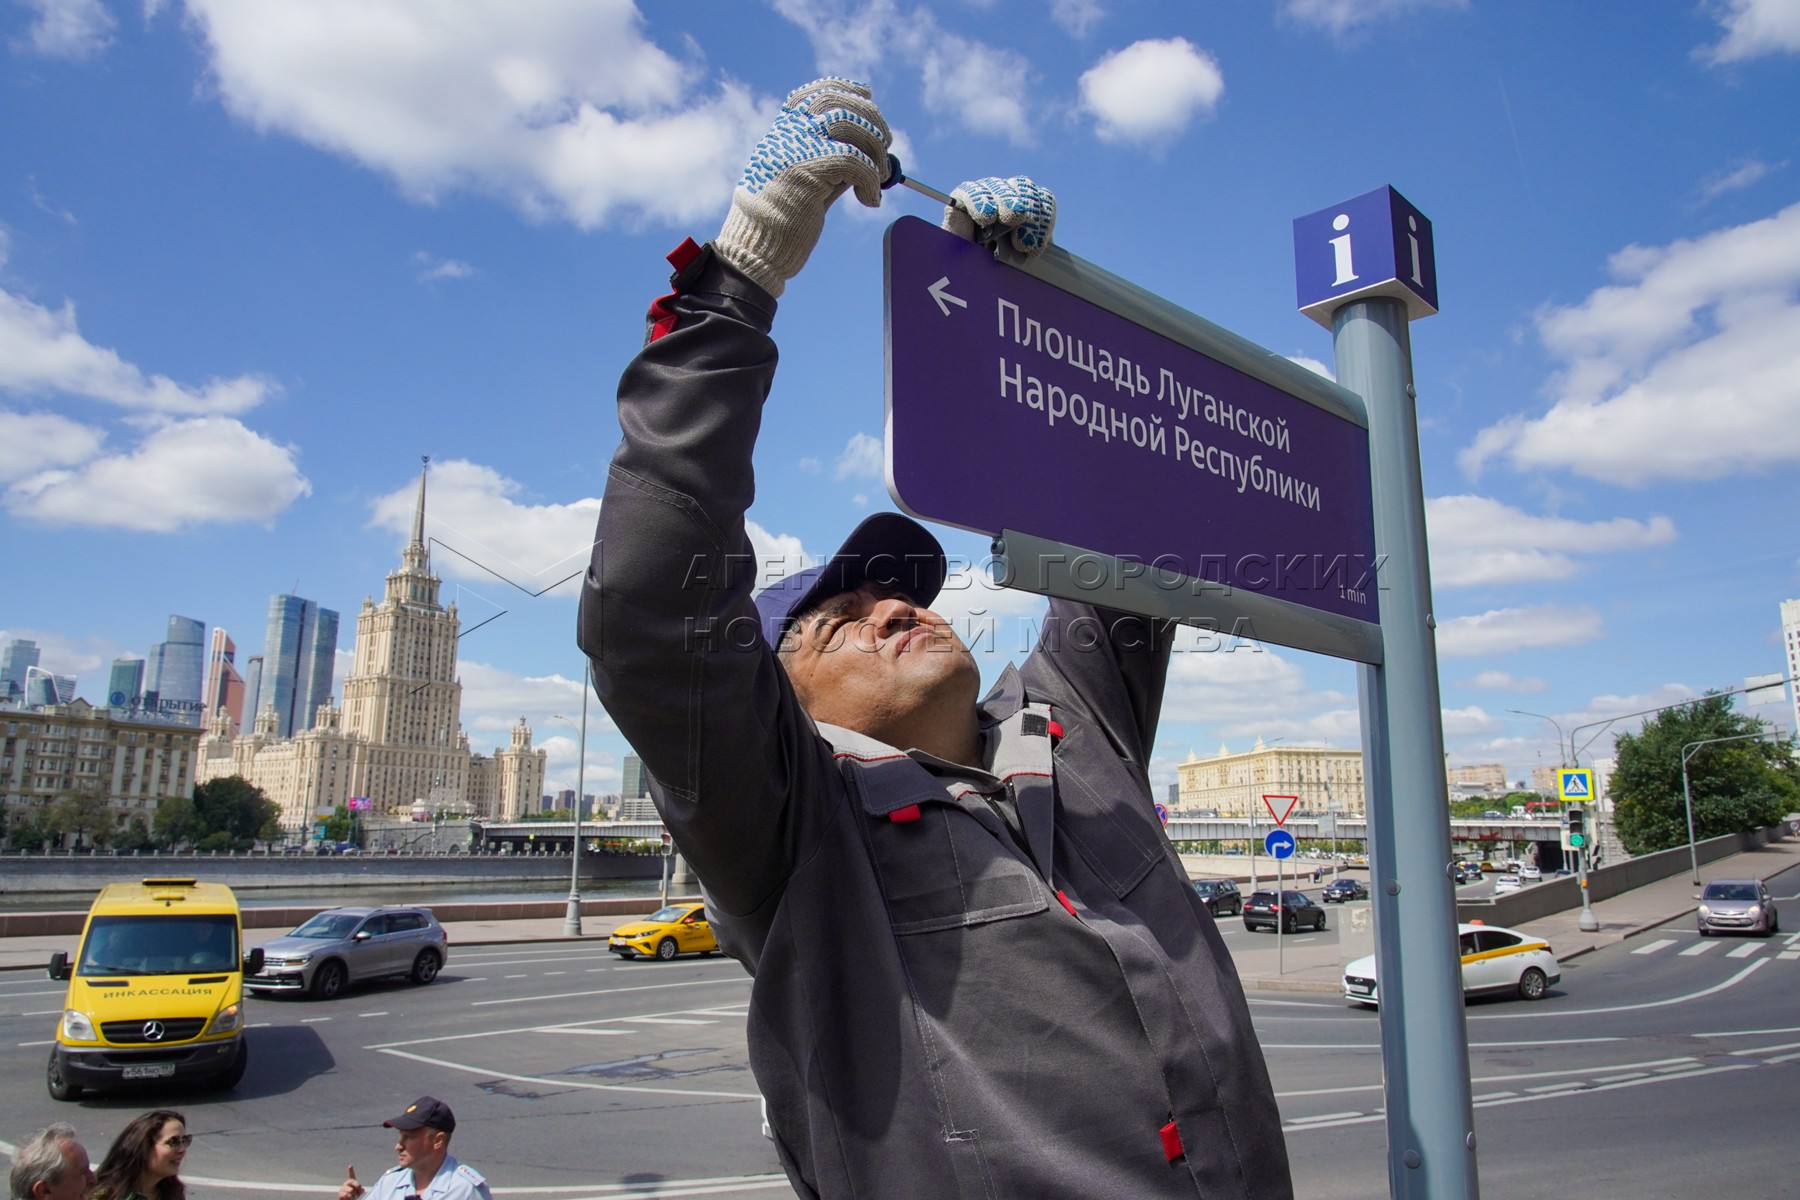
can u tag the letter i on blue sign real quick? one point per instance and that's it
(1340, 248)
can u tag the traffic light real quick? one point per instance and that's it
(1576, 816)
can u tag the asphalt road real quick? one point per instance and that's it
(1665, 1065)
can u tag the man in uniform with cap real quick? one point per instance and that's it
(980, 970)
(427, 1170)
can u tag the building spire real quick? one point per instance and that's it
(419, 510)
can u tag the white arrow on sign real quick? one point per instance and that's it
(940, 295)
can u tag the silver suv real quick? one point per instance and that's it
(349, 945)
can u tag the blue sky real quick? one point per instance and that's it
(257, 257)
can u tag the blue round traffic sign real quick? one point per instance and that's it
(1279, 843)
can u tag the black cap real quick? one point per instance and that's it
(887, 549)
(425, 1112)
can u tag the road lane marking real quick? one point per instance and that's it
(373, 1014)
(547, 974)
(315, 1020)
(665, 1021)
(1617, 1008)
(1477, 1080)
(1699, 948)
(1788, 955)
(1750, 1032)
(42, 1012)
(1292, 1121)
(1566, 1086)
(1653, 947)
(51, 1042)
(515, 977)
(1743, 951)
(644, 987)
(1765, 1049)
(585, 1032)
(492, 1033)
(1604, 1079)
(64, 991)
(573, 1083)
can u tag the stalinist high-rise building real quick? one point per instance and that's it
(397, 739)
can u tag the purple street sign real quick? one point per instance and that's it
(1016, 405)
(1375, 244)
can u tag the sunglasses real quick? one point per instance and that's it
(180, 1141)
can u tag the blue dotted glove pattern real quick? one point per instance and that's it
(1017, 204)
(800, 135)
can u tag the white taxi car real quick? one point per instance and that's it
(1495, 961)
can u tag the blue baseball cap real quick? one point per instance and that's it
(887, 549)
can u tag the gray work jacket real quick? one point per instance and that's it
(968, 983)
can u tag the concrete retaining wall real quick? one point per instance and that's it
(63, 924)
(1563, 893)
(27, 874)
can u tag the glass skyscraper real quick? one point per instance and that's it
(126, 683)
(176, 669)
(252, 690)
(299, 655)
(20, 653)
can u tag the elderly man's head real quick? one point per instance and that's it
(51, 1165)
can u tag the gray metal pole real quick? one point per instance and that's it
(1424, 1033)
(572, 916)
(1687, 800)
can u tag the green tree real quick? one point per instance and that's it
(82, 813)
(134, 836)
(28, 831)
(339, 825)
(1735, 785)
(233, 806)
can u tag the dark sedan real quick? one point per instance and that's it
(1221, 896)
(1345, 888)
(1297, 911)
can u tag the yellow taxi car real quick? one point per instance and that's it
(1495, 961)
(677, 929)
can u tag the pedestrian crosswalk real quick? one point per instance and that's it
(1785, 948)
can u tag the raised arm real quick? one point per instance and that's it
(666, 616)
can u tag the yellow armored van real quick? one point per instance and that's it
(156, 991)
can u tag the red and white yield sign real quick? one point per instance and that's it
(1282, 816)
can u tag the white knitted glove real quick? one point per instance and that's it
(829, 136)
(1017, 205)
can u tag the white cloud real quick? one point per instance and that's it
(862, 458)
(494, 698)
(1076, 17)
(33, 441)
(1754, 28)
(1503, 681)
(984, 88)
(1339, 17)
(70, 29)
(432, 268)
(1464, 722)
(1313, 365)
(1502, 630)
(1246, 690)
(564, 108)
(189, 472)
(1683, 370)
(1151, 91)
(1744, 175)
(1476, 540)
(43, 352)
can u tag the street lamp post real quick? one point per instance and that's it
(1687, 798)
(1587, 922)
(572, 917)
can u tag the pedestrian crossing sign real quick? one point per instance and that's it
(1575, 784)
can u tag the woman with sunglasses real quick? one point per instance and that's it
(144, 1161)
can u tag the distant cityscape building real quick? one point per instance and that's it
(397, 739)
(19, 654)
(224, 686)
(1543, 781)
(252, 688)
(125, 686)
(1790, 641)
(1483, 779)
(1233, 785)
(299, 657)
(175, 669)
(136, 762)
(42, 688)
(637, 783)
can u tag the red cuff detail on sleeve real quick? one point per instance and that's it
(682, 255)
(1171, 1141)
(1064, 900)
(902, 815)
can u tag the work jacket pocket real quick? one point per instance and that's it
(1108, 820)
(940, 867)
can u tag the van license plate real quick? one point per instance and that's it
(149, 1071)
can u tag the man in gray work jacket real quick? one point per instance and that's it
(979, 968)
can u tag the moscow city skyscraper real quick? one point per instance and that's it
(126, 683)
(20, 653)
(176, 668)
(299, 656)
(224, 686)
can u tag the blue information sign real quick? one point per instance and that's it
(1377, 244)
(1018, 404)
(1279, 843)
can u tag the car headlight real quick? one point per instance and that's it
(1705, 911)
(1755, 913)
(76, 1027)
(226, 1020)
